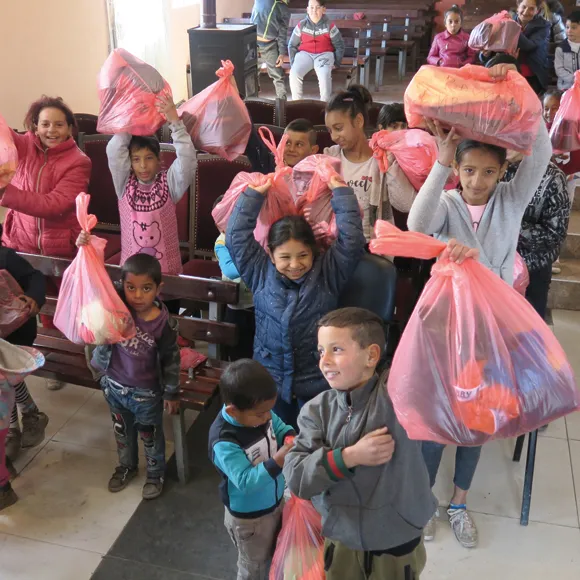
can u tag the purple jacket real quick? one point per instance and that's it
(451, 50)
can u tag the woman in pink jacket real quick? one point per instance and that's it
(450, 47)
(52, 171)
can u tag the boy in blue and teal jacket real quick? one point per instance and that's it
(246, 445)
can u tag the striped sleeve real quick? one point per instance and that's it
(335, 466)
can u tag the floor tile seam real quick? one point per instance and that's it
(176, 570)
(24, 537)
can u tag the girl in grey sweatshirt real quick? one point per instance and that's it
(486, 215)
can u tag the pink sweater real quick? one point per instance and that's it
(451, 50)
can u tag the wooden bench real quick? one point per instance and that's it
(66, 361)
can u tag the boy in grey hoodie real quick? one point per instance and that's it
(355, 462)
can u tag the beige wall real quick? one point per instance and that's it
(60, 50)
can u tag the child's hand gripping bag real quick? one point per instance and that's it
(475, 361)
(128, 91)
(565, 131)
(89, 309)
(311, 183)
(217, 118)
(8, 154)
(16, 363)
(506, 113)
(13, 311)
(415, 151)
(300, 546)
(279, 200)
(498, 33)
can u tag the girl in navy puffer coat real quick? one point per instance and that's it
(293, 288)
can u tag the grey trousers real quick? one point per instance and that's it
(255, 540)
(268, 54)
(303, 63)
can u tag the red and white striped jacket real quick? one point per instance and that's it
(317, 38)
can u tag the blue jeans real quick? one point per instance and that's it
(466, 460)
(137, 411)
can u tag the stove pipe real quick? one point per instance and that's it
(208, 15)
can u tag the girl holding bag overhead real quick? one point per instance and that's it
(486, 215)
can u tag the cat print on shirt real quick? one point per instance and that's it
(147, 237)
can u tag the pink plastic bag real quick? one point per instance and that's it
(415, 151)
(475, 361)
(190, 358)
(13, 311)
(279, 201)
(311, 178)
(128, 90)
(499, 33)
(217, 118)
(300, 546)
(506, 113)
(89, 309)
(521, 275)
(8, 154)
(565, 131)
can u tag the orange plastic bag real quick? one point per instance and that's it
(565, 131)
(300, 546)
(128, 90)
(279, 201)
(13, 311)
(499, 33)
(475, 361)
(89, 309)
(506, 113)
(217, 118)
(8, 154)
(415, 151)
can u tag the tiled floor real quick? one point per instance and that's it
(66, 520)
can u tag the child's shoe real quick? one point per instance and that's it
(121, 478)
(33, 428)
(8, 496)
(153, 487)
(429, 530)
(13, 443)
(463, 526)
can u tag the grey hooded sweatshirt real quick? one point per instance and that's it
(365, 508)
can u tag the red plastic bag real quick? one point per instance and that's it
(279, 201)
(13, 311)
(300, 546)
(128, 90)
(311, 178)
(499, 33)
(565, 131)
(89, 309)
(217, 118)
(8, 154)
(190, 358)
(475, 361)
(415, 151)
(521, 275)
(506, 113)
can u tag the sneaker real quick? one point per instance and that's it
(463, 527)
(33, 428)
(121, 478)
(153, 487)
(13, 443)
(8, 496)
(54, 385)
(429, 530)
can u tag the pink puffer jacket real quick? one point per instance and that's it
(41, 198)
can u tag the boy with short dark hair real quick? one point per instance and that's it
(246, 444)
(566, 59)
(355, 462)
(301, 141)
(140, 376)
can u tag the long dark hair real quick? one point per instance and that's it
(31, 119)
(354, 101)
(469, 145)
(292, 227)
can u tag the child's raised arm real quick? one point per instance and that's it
(249, 257)
(119, 159)
(342, 257)
(429, 212)
(182, 171)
